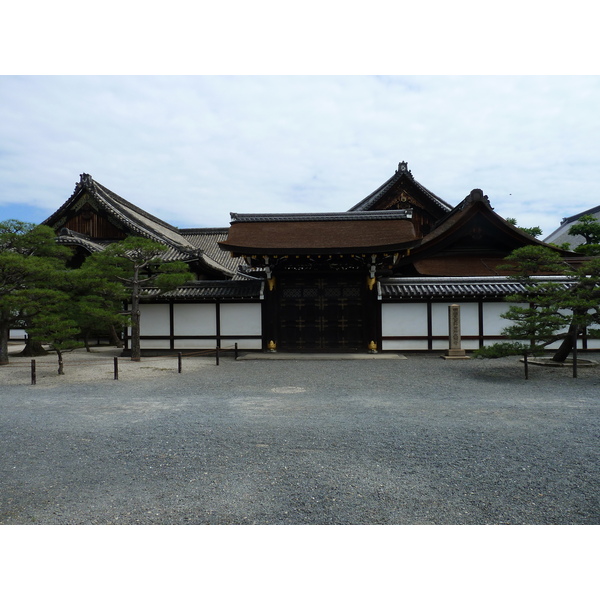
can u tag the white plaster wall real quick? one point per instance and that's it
(469, 319)
(404, 345)
(404, 319)
(469, 345)
(440, 344)
(194, 319)
(242, 344)
(207, 344)
(439, 319)
(493, 323)
(154, 319)
(241, 319)
(155, 344)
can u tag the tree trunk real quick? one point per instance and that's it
(4, 335)
(566, 346)
(61, 370)
(135, 335)
(135, 317)
(569, 342)
(33, 348)
(86, 342)
(114, 337)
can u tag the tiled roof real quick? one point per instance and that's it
(401, 172)
(572, 219)
(207, 240)
(475, 199)
(561, 235)
(380, 215)
(228, 289)
(473, 217)
(73, 238)
(134, 218)
(197, 245)
(459, 266)
(456, 287)
(322, 236)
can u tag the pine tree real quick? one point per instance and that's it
(532, 231)
(136, 264)
(53, 325)
(30, 260)
(550, 311)
(589, 228)
(97, 302)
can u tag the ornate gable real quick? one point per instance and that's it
(403, 192)
(470, 242)
(87, 218)
(94, 216)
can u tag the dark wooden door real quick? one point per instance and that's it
(322, 313)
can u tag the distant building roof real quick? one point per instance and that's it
(561, 235)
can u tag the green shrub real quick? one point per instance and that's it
(503, 349)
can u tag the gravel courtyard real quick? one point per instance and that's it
(414, 441)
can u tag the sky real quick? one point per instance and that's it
(237, 112)
(192, 149)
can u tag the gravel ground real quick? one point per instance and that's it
(416, 441)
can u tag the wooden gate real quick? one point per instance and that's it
(322, 313)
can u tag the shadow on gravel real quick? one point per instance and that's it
(512, 370)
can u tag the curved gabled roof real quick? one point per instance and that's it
(401, 173)
(133, 218)
(472, 240)
(476, 203)
(191, 247)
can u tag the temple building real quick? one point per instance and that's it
(379, 276)
(562, 235)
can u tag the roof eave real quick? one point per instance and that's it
(338, 251)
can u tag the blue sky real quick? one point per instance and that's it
(191, 148)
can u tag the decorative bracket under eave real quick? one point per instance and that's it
(371, 278)
(270, 278)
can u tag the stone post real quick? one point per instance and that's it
(455, 350)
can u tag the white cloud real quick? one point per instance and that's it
(192, 149)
